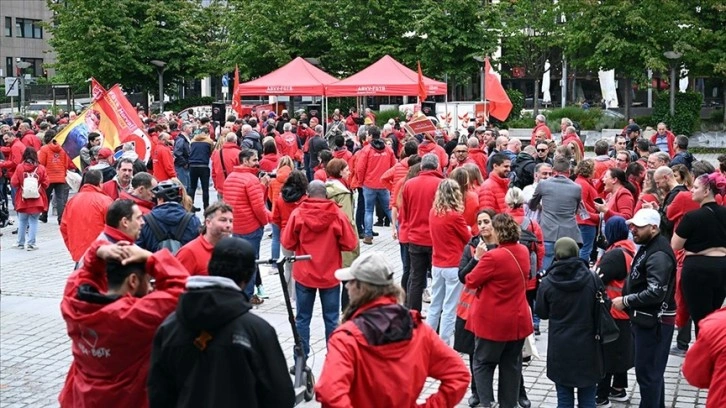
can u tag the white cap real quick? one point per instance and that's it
(645, 216)
(370, 267)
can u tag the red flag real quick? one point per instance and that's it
(499, 104)
(97, 90)
(236, 102)
(421, 87)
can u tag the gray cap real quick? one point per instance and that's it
(370, 267)
(481, 129)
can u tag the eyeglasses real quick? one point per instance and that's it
(542, 150)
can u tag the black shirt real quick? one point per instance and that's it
(703, 228)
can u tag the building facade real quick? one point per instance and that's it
(23, 38)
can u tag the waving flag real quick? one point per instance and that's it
(236, 101)
(97, 90)
(421, 87)
(499, 104)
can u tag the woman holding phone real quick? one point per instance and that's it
(620, 200)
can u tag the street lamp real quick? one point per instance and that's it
(673, 57)
(160, 68)
(21, 66)
(481, 80)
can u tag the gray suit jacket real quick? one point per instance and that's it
(560, 198)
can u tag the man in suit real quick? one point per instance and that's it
(559, 198)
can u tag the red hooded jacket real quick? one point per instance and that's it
(416, 203)
(246, 195)
(111, 342)
(16, 157)
(87, 208)
(428, 146)
(480, 158)
(287, 146)
(318, 227)
(395, 173)
(163, 163)
(705, 363)
(230, 153)
(30, 205)
(31, 140)
(56, 162)
(144, 205)
(373, 160)
(492, 192)
(357, 360)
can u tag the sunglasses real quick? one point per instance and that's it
(542, 150)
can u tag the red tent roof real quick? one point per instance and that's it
(385, 77)
(297, 77)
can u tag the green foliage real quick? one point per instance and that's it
(646, 120)
(383, 116)
(687, 111)
(517, 99)
(343, 104)
(181, 104)
(525, 121)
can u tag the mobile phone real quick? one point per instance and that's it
(599, 201)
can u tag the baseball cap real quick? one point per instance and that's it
(632, 128)
(370, 267)
(645, 216)
(481, 129)
(105, 153)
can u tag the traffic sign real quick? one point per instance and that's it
(12, 86)
(225, 81)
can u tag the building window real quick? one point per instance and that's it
(9, 66)
(27, 28)
(8, 26)
(36, 67)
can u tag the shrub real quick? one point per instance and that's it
(383, 116)
(517, 99)
(181, 104)
(687, 118)
(644, 121)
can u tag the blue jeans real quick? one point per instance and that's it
(588, 233)
(372, 195)
(254, 238)
(651, 356)
(330, 302)
(549, 254)
(275, 245)
(585, 396)
(29, 222)
(183, 175)
(445, 291)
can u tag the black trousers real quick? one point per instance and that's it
(618, 380)
(703, 282)
(508, 357)
(195, 175)
(360, 212)
(420, 257)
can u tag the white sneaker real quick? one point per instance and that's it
(426, 296)
(18, 246)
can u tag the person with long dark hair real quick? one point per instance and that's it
(620, 200)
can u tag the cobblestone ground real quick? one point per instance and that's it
(35, 350)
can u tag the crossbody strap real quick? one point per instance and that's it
(521, 272)
(221, 158)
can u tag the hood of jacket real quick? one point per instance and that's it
(687, 158)
(253, 135)
(378, 144)
(569, 275)
(291, 194)
(202, 137)
(524, 159)
(54, 147)
(386, 327)
(319, 213)
(27, 167)
(210, 302)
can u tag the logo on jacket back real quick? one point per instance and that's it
(87, 345)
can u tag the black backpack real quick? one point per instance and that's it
(172, 243)
(529, 239)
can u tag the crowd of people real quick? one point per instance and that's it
(494, 235)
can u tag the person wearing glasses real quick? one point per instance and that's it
(543, 153)
(459, 157)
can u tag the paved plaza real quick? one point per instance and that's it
(35, 350)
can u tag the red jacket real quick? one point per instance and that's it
(16, 157)
(621, 203)
(268, 163)
(543, 127)
(195, 255)
(144, 205)
(428, 146)
(602, 164)
(113, 189)
(681, 204)
(111, 343)
(416, 203)
(352, 371)
(29, 139)
(56, 162)
(230, 152)
(320, 174)
(588, 198)
(318, 227)
(573, 138)
(354, 181)
(671, 138)
(395, 173)
(246, 195)
(275, 186)
(163, 163)
(480, 158)
(374, 159)
(705, 363)
(287, 146)
(281, 211)
(350, 124)
(500, 311)
(448, 231)
(455, 164)
(342, 153)
(30, 205)
(471, 209)
(87, 208)
(492, 192)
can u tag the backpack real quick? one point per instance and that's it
(172, 243)
(529, 239)
(31, 187)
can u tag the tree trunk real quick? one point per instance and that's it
(627, 96)
(535, 99)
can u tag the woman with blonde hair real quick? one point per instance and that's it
(187, 201)
(446, 222)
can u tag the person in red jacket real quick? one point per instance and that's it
(223, 162)
(398, 172)
(318, 227)
(588, 226)
(29, 208)
(492, 191)
(351, 122)
(477, 155)
(664, 139)
(429, 145)
(374, 159)
(195, 255)
(17, 148)
(620, 199)
(448, 230)
(705, 363)
(87, 208)
(112, 329)
(29, 138)
(288, 143)
(163, 159)
(540, 131)
(245, 193)
(417, 199)
(141, 191)
(382, 353)
(122, 181)
(56, 162)
(501, 319)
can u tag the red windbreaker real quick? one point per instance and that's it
(163, 163)
(448, 230)
(230, 153)
(87, 208)
(705, 364)
(111, 343)
(416, 202)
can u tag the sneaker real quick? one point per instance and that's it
(620, 396)
(426, 296)
(368, 240)
(18, 246)
(536, 331)
(261, 292)
(256, 301)
(602, 402)
(677, 351)
(31, 247)
(473, 401)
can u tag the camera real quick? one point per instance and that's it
(262, 174)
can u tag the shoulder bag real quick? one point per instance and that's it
(606, 331)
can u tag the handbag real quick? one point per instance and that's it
(606, 331)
